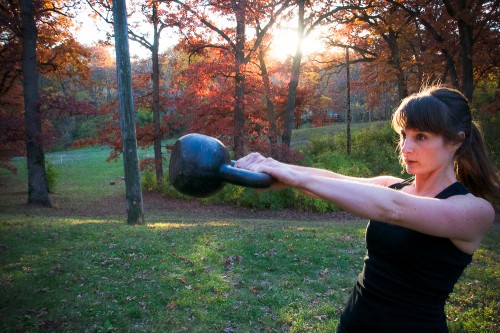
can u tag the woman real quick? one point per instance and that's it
(432, 223)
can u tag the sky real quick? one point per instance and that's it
(91, 32)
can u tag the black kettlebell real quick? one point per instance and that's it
(200, 165)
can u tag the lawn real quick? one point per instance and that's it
(64, 271)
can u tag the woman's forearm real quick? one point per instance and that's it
(361, 199)
(380, 180)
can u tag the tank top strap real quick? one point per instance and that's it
(456, 188)
(404, 183)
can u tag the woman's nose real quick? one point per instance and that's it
(406, 146)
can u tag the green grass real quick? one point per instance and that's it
(173, 275)
(65, 272)
(83, 177)
(302, 137)
(75, 274)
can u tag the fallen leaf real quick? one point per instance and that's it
(321, 317)
(324, 272)
(230, 260)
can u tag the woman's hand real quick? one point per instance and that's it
(283, 174)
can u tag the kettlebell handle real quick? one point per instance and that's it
(244, 177)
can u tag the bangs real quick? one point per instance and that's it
(423, 113)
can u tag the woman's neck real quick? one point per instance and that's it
(433, 183)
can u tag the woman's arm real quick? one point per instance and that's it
(255, 158)
(464, 217)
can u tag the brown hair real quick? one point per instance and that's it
(446, 111)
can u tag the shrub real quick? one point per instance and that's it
(252, 198)
(149, 181)
(52, 175)
(373, 152)
(307, 203)
(340, 163)
(229, 193)
(276, 200)
(377, 149)
(490, 123)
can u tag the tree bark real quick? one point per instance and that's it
(240, 80)
(286, 138)
(465, 32)
(268, 95)
(466, 47)
(158, 135)
(391, 38)
(133, 190)
(38, 189)
(348, 102)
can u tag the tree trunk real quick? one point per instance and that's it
(239, 65)
(392, 40)
(158, 135)
(294, 80)
(450, 69)
(466, 46)
(38, 189)
(133, 191)
(348, 101)
(271, 117)
(465, 32)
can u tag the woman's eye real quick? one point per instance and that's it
(420, 137)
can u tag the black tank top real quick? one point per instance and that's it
(406, 279)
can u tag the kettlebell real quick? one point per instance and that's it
(200, 166)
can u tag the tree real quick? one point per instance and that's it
(12, 132)
(38, 188)
(348, 101)
(133, 191)
(270, 106)
(202, 94)
(470, 25)
(388, 23)
(35, 40)
(230, 38)
(158, 19)
(294, 77)
(310, 15)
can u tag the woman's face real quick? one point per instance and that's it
(425, 152)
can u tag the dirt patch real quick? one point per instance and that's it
(15, 202)
(153, 201)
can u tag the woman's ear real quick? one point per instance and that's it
(459, 142)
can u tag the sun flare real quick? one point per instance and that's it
(284, 44)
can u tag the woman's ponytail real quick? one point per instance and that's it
(474, 169)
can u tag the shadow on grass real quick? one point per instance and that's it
(95, 275)
(74, 274)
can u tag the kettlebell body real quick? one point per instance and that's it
(200, 165)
